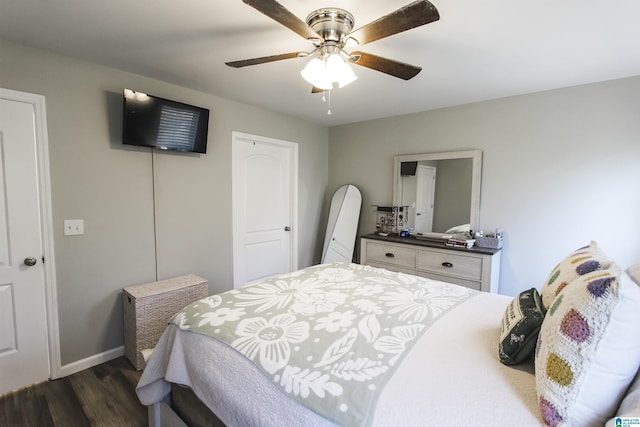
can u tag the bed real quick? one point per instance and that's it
(390, 349)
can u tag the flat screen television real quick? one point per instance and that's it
(408, 168)
(150, 121)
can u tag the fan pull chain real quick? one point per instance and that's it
(324, 99)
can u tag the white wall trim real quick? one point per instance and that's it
(46, 222)
(91, 361)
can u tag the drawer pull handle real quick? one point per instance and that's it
(389, 255)
(447, 264)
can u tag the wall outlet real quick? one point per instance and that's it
(73, 227)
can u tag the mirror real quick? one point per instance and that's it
(440, 192)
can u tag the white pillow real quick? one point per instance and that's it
(630, 406)
(634, 272)
(588, 349)
(463, 228)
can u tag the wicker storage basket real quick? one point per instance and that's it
(489, 242)
(148, 308)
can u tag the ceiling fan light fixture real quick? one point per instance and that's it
(333, 66)
(346, 75)
(328, 69)
(315, 74)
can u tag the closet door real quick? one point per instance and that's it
(264, 206)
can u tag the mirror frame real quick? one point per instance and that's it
(476, 178)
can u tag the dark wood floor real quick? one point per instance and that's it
(101, 396)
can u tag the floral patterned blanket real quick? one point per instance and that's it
(329, 336)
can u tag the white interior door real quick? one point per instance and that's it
(425, 192)
(264, 208)
(24, 357)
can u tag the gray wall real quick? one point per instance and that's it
(559, 168)
(96, 179)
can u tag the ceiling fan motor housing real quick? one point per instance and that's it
(332, 24)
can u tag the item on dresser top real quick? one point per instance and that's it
(460, 241)
(489, 242)
(463, 228)
(437, 237)
(391, 218)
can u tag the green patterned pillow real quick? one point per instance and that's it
(520, 327)
(579, 262)
(588, 349)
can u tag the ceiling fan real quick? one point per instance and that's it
(330, 32)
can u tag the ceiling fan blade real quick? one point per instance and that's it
(281, 14)
(385, 65)
(413, 15)
(261, 60)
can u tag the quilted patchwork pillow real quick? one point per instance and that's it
(588, 350)
(520, 327)
(577, 263)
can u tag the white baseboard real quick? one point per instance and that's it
(91, 361)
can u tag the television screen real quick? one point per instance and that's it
(408, 168)
(150, 121)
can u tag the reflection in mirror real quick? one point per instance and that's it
(440, 192)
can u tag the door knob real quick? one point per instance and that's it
(287, 228)
(30, 261)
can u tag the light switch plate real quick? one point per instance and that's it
(73, 227)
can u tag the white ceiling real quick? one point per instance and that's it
(478, 50)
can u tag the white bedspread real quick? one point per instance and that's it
(451, 377)
(330, 335)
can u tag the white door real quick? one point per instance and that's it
(264, 182)
(24, 357)
(425, 192)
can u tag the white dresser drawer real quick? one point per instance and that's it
(472, 268)
(450, 264)
(450, 279)
(392, 267)
(395, 255)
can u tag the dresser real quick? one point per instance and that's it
(475, 268)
